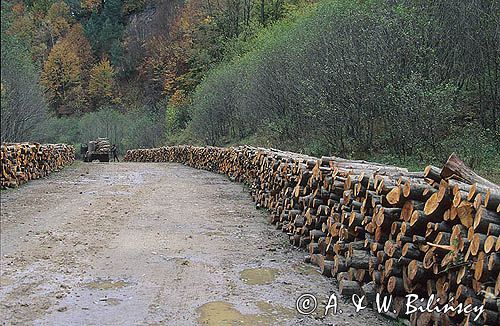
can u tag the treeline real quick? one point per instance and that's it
(409, 79)
(117, 54)
(136, 128)
(82, 57)
(386, 80)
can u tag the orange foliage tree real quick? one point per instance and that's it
(168, 55)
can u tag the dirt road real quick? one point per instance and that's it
(150, 244)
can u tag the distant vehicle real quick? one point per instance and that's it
(96, 150)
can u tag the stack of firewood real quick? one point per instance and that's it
(101, 145)
(375, 228)
(22, 162)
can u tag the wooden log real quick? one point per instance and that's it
(340, 264)
(433, 173)
(326, 267)
(489, 243)
(494, 229)
(395, 285)
(484, 218)
(417, 191)
(480, 267)
(494, 262)
(359, 259)
(369, 290)
(456, 168)
(416, 271)
(477, 243)
(348, 288)
(22, 162)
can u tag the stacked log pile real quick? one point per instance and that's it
(100, 146)
(375, 228)
(22, 162)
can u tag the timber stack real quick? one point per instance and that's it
(22, 162)
(376, 228)
(101, 145)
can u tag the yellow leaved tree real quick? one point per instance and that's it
(61, 77)
(102, 87)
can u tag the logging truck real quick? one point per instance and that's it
(96, 150)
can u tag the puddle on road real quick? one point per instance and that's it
(306, 269)
(223, 313)
(107, 284)
(258, 276)
(275, 312)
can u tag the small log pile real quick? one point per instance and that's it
(375, 228)
(22, 162)
(100, 146)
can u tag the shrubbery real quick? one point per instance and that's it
(412, 80)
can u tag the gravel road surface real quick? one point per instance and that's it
(151, 244)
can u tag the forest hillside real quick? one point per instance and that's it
(395, 81)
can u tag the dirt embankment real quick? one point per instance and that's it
(151, 244)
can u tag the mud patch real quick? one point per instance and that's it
(258, 276)
(4, 281)
(224, 313)
(275, 312)
(107, 284)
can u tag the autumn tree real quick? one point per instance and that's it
(91, 5)
(178, 75)
(102, 86)
(79, 44)
(62, 79)
(58, 20)
(20, 22)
